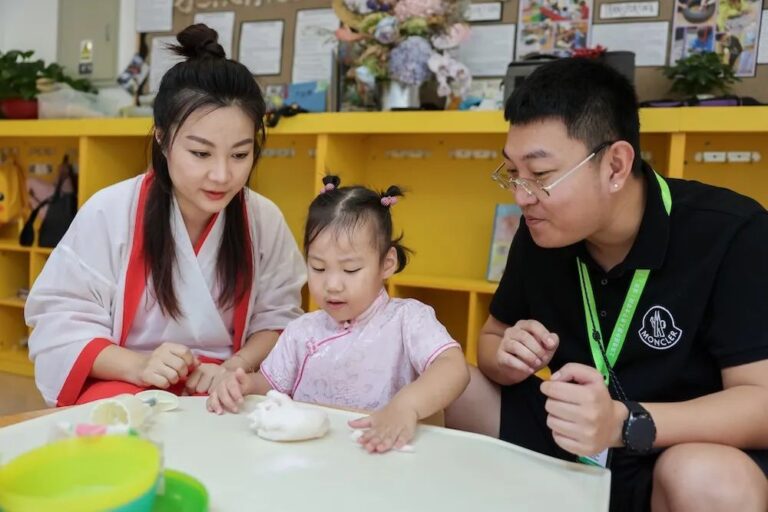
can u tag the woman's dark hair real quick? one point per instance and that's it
(205, 79)
(346, 208)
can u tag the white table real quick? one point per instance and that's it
(449, 470)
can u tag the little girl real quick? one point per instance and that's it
(363, 349)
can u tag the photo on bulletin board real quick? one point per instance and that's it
(728, 27)
(275, 96)
(505, 224)
(553, 26)
(738, 24)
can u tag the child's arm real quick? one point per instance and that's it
(278, 371)
(395, 425)
(228, 395)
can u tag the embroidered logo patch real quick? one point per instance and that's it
(659, 330)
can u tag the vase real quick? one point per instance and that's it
(429, 98)
(397, 95)
(17, 108)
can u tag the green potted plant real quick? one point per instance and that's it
(701, 74)
(21, 78)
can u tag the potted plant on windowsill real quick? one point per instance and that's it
(700, 75)
(21, 78)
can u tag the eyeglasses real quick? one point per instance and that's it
(503, 177)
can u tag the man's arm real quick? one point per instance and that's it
(735, 335)
(585, 420)
(736, 416)
(487, 349)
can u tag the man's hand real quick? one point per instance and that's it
(526, 348)
(583, 417)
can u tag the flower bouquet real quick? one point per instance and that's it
(401, 44)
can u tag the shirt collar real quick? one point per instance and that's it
(650, 247)
(382, 299)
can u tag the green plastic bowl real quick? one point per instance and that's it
(182, 494)
(83, 474)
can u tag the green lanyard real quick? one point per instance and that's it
(608, 356)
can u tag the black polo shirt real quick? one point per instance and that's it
(704, 307)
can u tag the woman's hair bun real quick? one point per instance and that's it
(199, 42)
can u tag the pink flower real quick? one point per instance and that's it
(452, 76)
(439, 64)
(418, 9)
(443, 89)
(458, 71)
(456, 35)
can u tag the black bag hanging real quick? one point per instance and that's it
(27, 236)
(62, 208)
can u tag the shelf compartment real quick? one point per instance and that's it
(451, 307)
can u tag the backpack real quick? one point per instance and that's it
(62, 208)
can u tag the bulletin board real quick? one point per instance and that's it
(649, 81)
(249, 10)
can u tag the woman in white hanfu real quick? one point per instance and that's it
(171, 279)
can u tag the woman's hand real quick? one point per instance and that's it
(167, 365)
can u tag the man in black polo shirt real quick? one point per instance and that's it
(645, 296)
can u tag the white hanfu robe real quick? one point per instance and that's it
(93, 292)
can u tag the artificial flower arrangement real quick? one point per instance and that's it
(408, 41)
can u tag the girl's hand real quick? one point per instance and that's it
(228, 395)
(205, 378)
(166, 365)
(392, 427)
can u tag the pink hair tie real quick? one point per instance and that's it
(327, 188)
(388, 201)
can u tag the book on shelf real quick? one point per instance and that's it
(505, 224)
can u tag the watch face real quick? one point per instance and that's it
(641, 432)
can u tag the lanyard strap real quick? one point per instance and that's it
(605, 357)
(666, 195)
(594, 333)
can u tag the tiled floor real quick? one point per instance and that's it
(18, 394)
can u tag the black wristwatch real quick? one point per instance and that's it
(639, 431)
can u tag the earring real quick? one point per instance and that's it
(615, 185)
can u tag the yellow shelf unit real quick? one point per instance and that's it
(462, 304)
(13, 302)
(442, 159)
